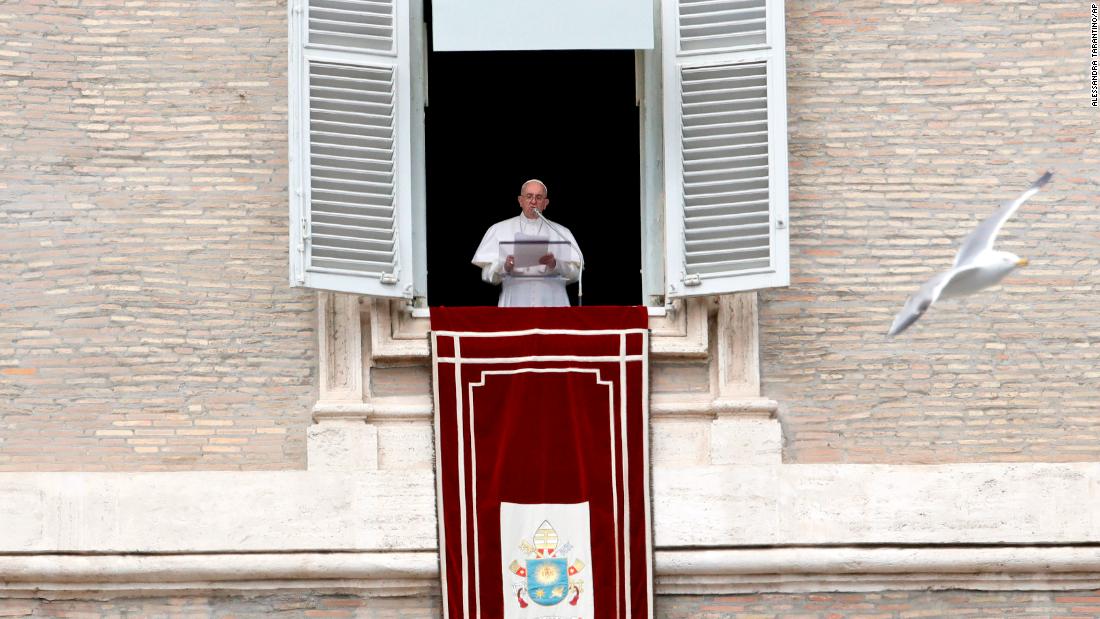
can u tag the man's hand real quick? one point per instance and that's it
(549, 261)
(509, 264)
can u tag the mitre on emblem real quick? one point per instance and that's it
(545, 539)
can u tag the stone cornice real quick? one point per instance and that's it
(717, 529)
(697, 507)
(698, 571)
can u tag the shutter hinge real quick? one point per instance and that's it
(692, 280)
(780, 224)
(300, 274)
(389, 279)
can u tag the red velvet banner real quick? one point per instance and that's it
(542, 447)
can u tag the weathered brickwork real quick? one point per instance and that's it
(145, 318)
(910, 120)
(297, 605)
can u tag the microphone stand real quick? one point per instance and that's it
(580, 274)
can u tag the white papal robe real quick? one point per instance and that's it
(547, 291)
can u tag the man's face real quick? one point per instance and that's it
(533, 199)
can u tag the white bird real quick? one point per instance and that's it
(977, 265)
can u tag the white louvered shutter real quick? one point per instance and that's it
(725, 136)
(350, 146)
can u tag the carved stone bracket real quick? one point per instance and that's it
(745, 430)
(342, 443)
(681, 332)
(340, 348)
(395, 333)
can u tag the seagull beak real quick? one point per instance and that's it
(1022, 262)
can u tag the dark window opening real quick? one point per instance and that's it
(495, 119)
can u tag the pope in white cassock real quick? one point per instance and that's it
(537, 285)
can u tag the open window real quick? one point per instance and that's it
(496, 119)
(673, 160)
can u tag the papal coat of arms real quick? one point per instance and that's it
(547, 571)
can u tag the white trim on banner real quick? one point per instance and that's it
(439, 484)
(645, 472)
(619, 581)
(533, 358)
(464, 418)
(459, 417)
(538, 331)
(626, 465)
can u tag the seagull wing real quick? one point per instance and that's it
(982, 238)
(918, 304)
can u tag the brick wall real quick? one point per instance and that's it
(298, 605)
(910, 120)
(145, 318)
(146, 323)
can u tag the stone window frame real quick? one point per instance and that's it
(355, 333)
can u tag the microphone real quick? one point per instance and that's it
(580, 275)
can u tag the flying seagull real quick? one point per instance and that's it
(977, 265)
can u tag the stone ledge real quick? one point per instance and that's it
(398, 408)
(397, 573)
(217, 512)
(876, 504)
(678, 572)
(717, 506)
(396, 334)
(849, 568)
(420, 408)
